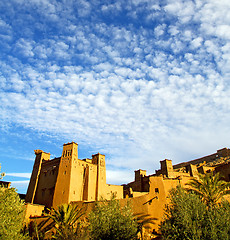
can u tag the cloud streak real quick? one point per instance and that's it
(21, 175)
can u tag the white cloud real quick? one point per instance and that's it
(159, 30)
(20, 186)
(24, 47)
(184, 10)
(223, 31)
(118, 176)
(5, 33)
(196, 42)
(22, 175)
(113, 8)
(173, 30)
(174, 7)
(138, 91)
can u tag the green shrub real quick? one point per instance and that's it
(188, 217)
(109, 220)
(12, 211)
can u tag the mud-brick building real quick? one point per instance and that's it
(68, 179)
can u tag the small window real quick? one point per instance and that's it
(156, 190)
(43, 192)
(51, 191)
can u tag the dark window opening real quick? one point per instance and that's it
(43, 192)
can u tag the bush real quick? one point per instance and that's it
(12, 211)
(188, 217)
(109, 221)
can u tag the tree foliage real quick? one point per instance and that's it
(108, 220)
(1, 174)
(12, 211)
(210, 188)
(188, 217)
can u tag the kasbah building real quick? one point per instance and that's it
(68, 179)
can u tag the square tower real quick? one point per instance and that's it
(167, 168)
(64, 178)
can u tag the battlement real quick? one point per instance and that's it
(70, 143)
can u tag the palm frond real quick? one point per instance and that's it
(211, 188)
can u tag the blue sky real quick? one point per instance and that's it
(136, 80)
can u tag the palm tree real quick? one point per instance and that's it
(39, 230)
(209, 187)
(65, 221)
(2, 174)
(143, 221)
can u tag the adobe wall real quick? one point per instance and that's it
(114, 189)
(99, 161)
(205, 169)
(46, 182)
(63, 187)
(224, 152)
(141, 182)
(166, 168)
(33, 210)
(41, 157)
(224, 171)
(83, 181)
(152, 204)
